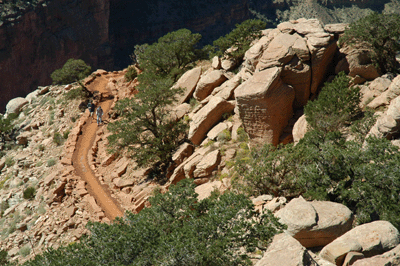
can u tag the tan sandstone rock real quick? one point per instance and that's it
(370, 239)
(188, 82)
(315, 223)
(208, 83)
(207, 117)
(285, 250)
(265, 105)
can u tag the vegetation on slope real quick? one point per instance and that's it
(380, 33)
(176, 230)
(361, 174)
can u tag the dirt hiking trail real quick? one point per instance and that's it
(80, 158)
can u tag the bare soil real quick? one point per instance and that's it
(80, 161)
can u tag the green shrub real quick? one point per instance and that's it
(381, 34)
(3, 206)
(337, 105)
(3, 257)
(170, 55)
(78, 93)
(51, 162)
(41, 147)
(25, 251)
(29, 193)
(9, 161)
(131, 74)
(72, 71)
(177, 229)
(269, 170)
(57, 138)
(242, 135)
(240, 38)
(66, 134)
(224, 136)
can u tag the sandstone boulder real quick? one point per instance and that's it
(370, 239)
(216, 62)
(285, 250)
(208, 83)
(315, 223)
(14, 106)
(205, 190)
(299, 129)
(389, 258)
(207, 164)
(359, 62)
(183, 152)
(213, 133)
(207, 117)
(393, 90)
(226, 90)
(188, 82)
(265, 105)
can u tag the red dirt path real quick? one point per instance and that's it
(80, 159)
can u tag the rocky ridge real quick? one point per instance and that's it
(63, 203)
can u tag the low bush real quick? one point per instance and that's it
(77, 93)
(131, 74)
(177, 229)
(58, 139)
(29, 193)
(72, 71)
(51, 162)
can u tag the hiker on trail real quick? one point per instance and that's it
(99, 115)
(91, 108)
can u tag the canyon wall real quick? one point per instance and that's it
(38, 40)
(35, 43)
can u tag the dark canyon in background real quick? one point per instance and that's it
(39, 39)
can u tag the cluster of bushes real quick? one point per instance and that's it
(146, 129)
(177, 229)
(72, 71)
(361, 174)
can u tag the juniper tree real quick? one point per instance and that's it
(381, 34)
(170, 55)
(72, 71)
(178, 229)
(146, 128)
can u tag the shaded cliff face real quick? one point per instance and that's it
(36, 43)
(133, 23)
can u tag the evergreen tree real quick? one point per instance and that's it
(239, 39)
(146, 128)
(170, 55)
(381, 34)
(177, 229)
(72, 71)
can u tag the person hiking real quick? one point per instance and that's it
(91, 108)
(99, 115)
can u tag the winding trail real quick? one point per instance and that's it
(80, 157)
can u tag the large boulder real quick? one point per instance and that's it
(285, 250)
(388, 124)
(390, 258)
(265, 105)
(207, 164)
(208, 83)
(315, 223)
(14, 106)
(207, 117)
(370, 239)
(299, 129)
(358, 63)
(392, 91)
(188, 82)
